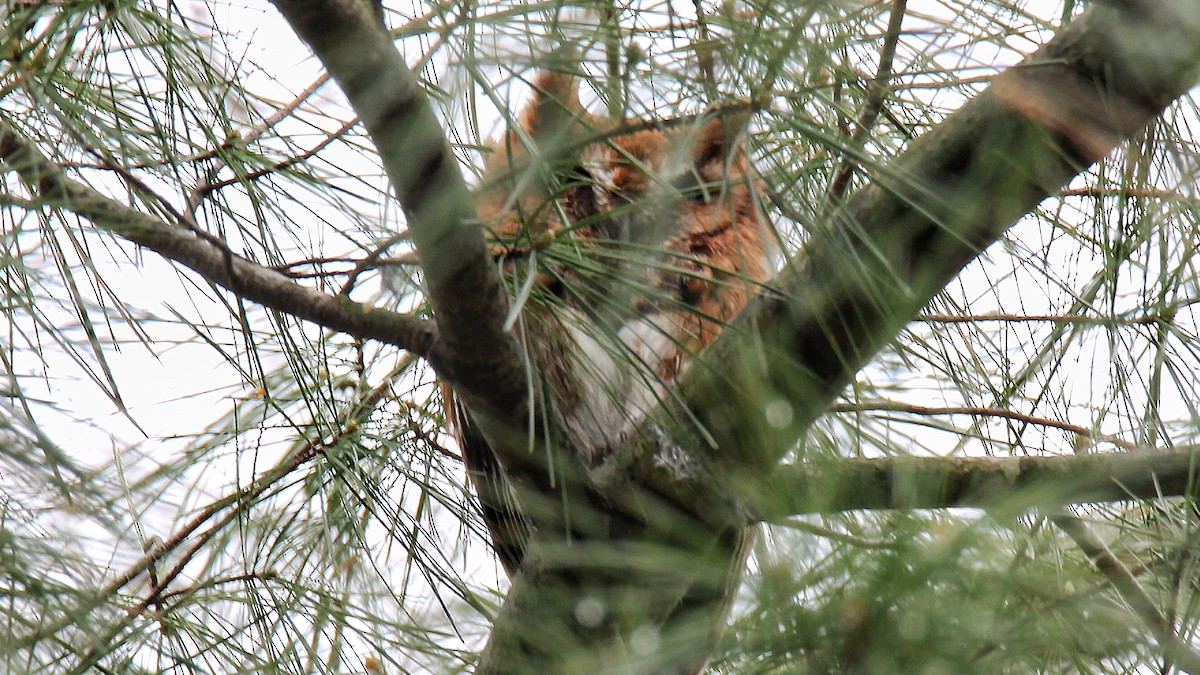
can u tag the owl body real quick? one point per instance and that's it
(630, 246)
(667, 222)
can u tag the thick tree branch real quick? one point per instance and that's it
(946, 482)
(49, 184)
(658, 525)
(858, 281)
(926, 215)
(472, 350)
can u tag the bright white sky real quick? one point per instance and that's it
(173, 389)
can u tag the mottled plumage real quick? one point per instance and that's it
(643, 240)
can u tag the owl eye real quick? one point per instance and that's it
(694, 188)
(582, 200)
(577, 177)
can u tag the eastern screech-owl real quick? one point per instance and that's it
(631, 245)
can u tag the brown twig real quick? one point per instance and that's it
(1145, 320)
(373, 259)
(1120, 193)
(197, 196)
(877, 93)
(982, 411)
(236, 503)
(203, 190)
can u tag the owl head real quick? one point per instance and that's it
(645, 239)
(562, 171)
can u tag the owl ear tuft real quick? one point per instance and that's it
(554, 107)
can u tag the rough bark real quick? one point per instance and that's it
(851, 290)
(472, 350)
(635, 575)
(634, 559)
(1011, 483)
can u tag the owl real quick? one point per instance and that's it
(629, 245)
